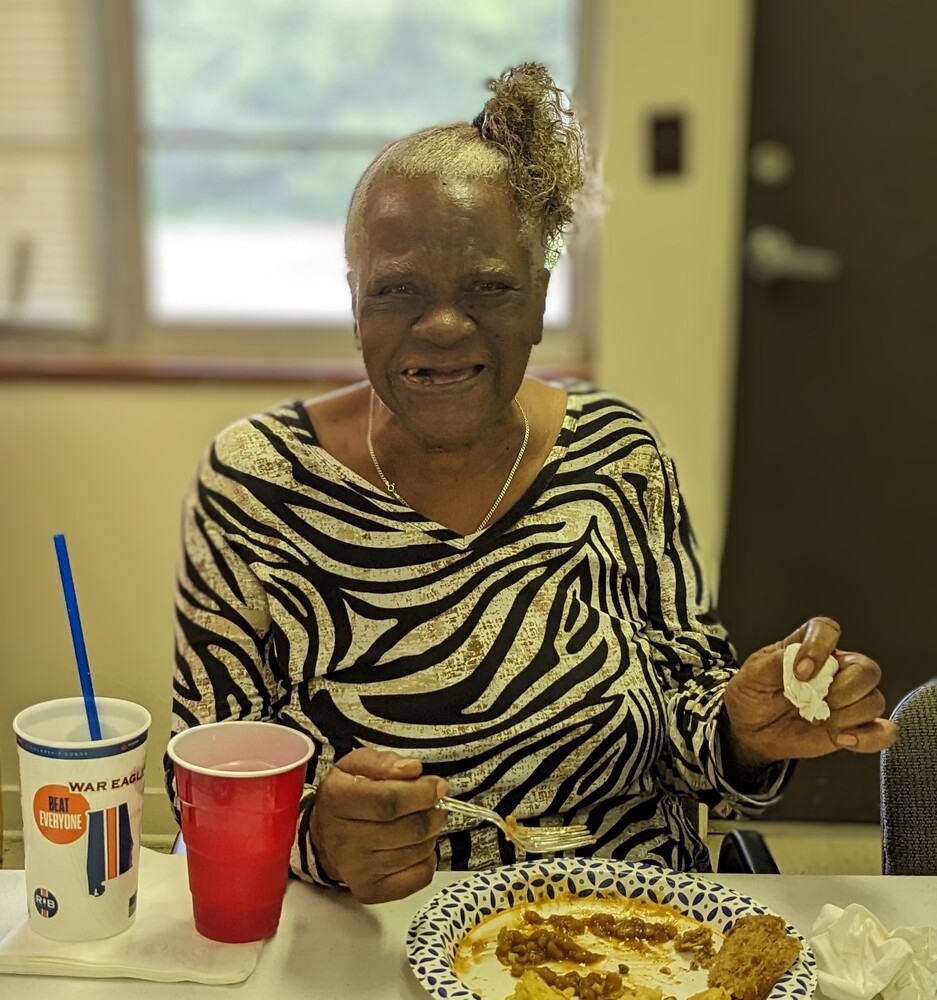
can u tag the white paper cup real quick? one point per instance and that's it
(82, 810)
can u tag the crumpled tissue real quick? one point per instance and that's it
(858, 958)
(808, 696)
(162, 943)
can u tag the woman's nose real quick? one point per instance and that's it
(443, 323)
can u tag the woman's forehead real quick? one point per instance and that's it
(429, 210)
(400, 196)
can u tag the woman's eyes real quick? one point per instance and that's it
(481, 287)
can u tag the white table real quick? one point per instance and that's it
(329, 947)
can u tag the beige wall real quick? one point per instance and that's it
(107, 463)
(670, 263)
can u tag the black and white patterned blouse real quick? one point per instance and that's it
(564, 665)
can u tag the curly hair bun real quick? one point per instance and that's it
(530, 120)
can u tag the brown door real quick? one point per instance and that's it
(832, 508)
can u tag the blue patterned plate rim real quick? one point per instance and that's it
(441, 923)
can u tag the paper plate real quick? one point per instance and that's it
(439, 926)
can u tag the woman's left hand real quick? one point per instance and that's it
(764, 726)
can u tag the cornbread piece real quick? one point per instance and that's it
(757, 951)
(713, 993)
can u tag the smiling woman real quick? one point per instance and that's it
(458, 579)
(447, 236)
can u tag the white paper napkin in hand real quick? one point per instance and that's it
(162, 943)
(858, 958)
(808, 696)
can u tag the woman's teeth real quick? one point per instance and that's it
(432, 376)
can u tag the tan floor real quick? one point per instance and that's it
(817, 848)
(798, 848)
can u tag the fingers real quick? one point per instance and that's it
(374, 824)
(382, 860)
(398, 884)
(380, 786)
(871, 738)
(858, 675)
(379, 801)
(379, 764)
(857, 706)
(764, 719)
(818, 638)
(859, 713)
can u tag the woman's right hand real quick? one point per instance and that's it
(374, 824)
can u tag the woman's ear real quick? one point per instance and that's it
(353, 288)
(541, 285)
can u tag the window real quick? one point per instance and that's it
(47, 170)
(180, 169)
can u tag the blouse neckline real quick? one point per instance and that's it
(416, 521)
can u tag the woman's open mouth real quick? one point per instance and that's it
(441, 376)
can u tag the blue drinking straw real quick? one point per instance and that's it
(78, 639)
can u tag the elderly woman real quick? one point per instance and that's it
(455, 577)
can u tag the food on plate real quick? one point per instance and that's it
(653, 930)
(593, 985)
(756, 952)
(552, 938)
(607, 925)
(517, 948)
(532, 986)
(612, 947)
(601, 948)
(699, 940)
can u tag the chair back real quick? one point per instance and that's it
(909, 787)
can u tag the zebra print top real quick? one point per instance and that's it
(564, 665)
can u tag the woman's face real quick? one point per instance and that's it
(447, 305)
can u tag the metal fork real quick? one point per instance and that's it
(533, 839)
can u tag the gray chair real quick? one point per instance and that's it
(909, 787)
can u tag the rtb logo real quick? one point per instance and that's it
(46, 903)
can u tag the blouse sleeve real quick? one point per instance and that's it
(224, 662)
(695, 659)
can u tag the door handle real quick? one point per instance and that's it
(772, 255)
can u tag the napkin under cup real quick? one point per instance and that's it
(161, 945)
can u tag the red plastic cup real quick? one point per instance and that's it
(239, 784)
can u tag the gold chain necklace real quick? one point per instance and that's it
(392, 489)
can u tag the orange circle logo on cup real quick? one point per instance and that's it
(60, 814)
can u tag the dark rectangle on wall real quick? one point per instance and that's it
(666, 144)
